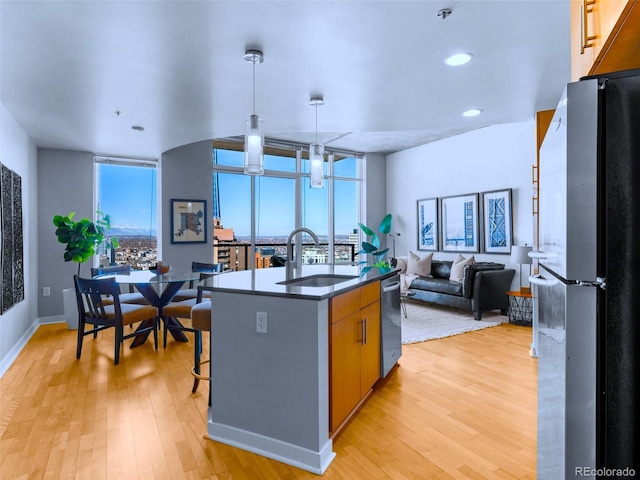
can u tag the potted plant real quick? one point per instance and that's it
(82, 238)
(372, 246)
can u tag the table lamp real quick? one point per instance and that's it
(520, 255)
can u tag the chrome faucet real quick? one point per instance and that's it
(291, 265)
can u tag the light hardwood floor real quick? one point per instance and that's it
(463, 407)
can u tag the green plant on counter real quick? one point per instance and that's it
(83, 237)
(372, 246)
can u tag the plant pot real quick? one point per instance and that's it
(70, 308)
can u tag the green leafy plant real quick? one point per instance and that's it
(83, 237)
(372, 246)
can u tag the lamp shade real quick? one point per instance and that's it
(316, 157)
(520, 255)
(253, 146)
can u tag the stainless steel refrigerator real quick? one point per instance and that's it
(587, 292)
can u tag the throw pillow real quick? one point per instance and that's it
(401, 263)
(419, 266)
(457, 269)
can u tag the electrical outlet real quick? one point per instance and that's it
(46, 291)
(261, 322)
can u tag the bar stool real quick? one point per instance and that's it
(201, 322)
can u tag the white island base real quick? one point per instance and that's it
(269, 391)
(309, 460)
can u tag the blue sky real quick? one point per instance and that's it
(128, 198)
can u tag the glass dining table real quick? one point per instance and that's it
(158, 290)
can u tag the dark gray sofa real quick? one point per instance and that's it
(482, 288)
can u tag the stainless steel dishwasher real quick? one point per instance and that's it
(391, 326)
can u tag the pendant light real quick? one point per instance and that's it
(316, 152)
(253, 140)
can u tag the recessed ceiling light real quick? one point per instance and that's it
(138, 128)
(458, 59)
(472, 112)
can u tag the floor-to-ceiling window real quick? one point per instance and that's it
(282, 200)
(126, 190)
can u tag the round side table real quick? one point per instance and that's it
(520, 308)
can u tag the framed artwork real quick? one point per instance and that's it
(428, 224)
(11, 239)
(459, 229)
(497, 221)
(188, 221)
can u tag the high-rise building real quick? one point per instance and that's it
(222, 237)
(354, 237)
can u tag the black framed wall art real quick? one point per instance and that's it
(459, 226)
(428, 224)
(497, 221)
(188, 221)
(11, 239)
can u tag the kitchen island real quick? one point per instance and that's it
(271, 358)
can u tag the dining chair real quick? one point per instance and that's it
(206, 270)
(93, 310)
(125, 297)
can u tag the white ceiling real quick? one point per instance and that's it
(177, 69)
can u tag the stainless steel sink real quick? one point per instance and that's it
(319, 280)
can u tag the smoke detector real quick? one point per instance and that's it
(444, 13)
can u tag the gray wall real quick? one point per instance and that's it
(65, 184)
(375, 192)
(18, 153)
(187, 173)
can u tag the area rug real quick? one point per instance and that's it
(429, 321)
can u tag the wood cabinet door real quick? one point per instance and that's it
(370, 351)
(581, 59)
(344, 385)
(619, 50)
(604, 23)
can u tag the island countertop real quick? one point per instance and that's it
(264, 281)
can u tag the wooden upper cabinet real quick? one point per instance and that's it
(605, 36)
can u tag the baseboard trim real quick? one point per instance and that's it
(303, 458)
(11, 356)
(52, 319)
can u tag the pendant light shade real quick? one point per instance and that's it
(254, 139)
(253, 146)
(316, 157)
(316, 153)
